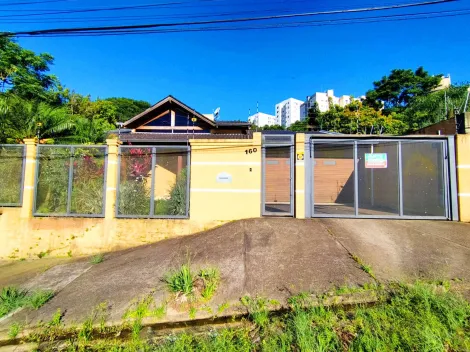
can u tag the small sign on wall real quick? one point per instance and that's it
(224, 177)
(376, 161)
(300, 155)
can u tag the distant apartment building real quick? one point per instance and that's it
(323, 101)
(262, 119)
(288, 112)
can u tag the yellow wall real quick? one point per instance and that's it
(463, 174)
(27, 238)
(238, 199)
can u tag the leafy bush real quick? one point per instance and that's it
(11, 168)
(134, 198)
(178, 194)
(88, 182)
(53, 180)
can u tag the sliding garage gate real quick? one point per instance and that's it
(381, 178)
(278, 175)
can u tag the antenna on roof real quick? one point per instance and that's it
(216, 114)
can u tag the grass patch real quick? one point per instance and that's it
(14, 330)
(364, 267)
(258, 308)
(185, 282)
(420, 317)
(97, 259)
(12, 298)
(180, 281)
(38, 298)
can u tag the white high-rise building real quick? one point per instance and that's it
(323, 101)
(288, 112)
(261, 119)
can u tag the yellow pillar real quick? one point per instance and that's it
(300, 176)
(29, 175)
(111, 178)
(463, 175)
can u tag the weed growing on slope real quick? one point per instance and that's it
(14, 330)
(38, 298)
(180, 281)
(364, 267)
(12, 298)
(97, 259)
(187, 285)
(143, 308)
(258, 309)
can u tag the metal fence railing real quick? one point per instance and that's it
(153, 182)
(12, 163)
(70, 181)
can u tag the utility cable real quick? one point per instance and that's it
(221, 21)
(375, 19)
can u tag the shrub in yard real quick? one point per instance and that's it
(134, 197)
(176, 205)
(11, 166)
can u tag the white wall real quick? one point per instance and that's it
(262, 119)
(288, 112)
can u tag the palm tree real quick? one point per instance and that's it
(26, 119)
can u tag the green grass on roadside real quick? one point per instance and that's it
(419, 317)
(12, 298)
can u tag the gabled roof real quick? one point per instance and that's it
(171, 102)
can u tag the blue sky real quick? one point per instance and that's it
(235, 69)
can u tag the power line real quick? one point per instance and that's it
(100, 9)
(221, 21)
(61, 19)
(30, 3)
(372, 19)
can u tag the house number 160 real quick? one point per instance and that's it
(251, 151)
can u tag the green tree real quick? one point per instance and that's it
(299, 126)
(272, 128)
(314, 115)
(127, 108)
(395, 91)
(21, 118)
(25, 74)
(436, 106)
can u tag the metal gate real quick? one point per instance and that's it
(381, 178)
(278, 175)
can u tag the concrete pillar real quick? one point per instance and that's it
(467, 122)
(463, 175)
(300, 175)
(111, 178)
(29, 178)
